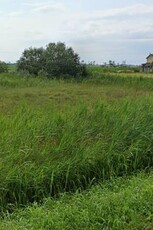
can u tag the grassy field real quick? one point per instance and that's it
(118, 204)
(85, 144)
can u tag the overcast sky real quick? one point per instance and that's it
(99, 30)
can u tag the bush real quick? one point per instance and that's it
(55, 61)
(3, 67)
(31, 61)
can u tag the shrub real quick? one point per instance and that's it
(55, 61)
(3, 67)
(31, 61)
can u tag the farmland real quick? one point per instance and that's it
(76, 154)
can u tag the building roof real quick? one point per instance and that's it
(147, 64)
(149, 55)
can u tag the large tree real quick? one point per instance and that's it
(55, 61)
(61, 60)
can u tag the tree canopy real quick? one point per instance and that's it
(55, 60)
(31, 61)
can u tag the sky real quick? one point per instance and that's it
(98, 30)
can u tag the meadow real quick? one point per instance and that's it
(76, 155)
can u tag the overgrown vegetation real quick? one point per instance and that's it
(3, 67)
(56, 61)
(62, 136)
(123, 203)
(114, 69)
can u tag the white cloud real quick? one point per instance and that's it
(137, 9)
(36, 24)
(45, 7)
(50, 8)
(112, 22)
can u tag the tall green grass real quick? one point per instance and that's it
(46, 153)
(114, 69)
(136, 81)
(123, 203)
(14, 80)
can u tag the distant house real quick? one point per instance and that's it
(148, 66)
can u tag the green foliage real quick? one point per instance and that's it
(97, 69)
(117, 204)
(3, 67)
(56, 61)
(11, 67)
(32, 61)
(61, 60)
(61, 136)
(70, 151)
